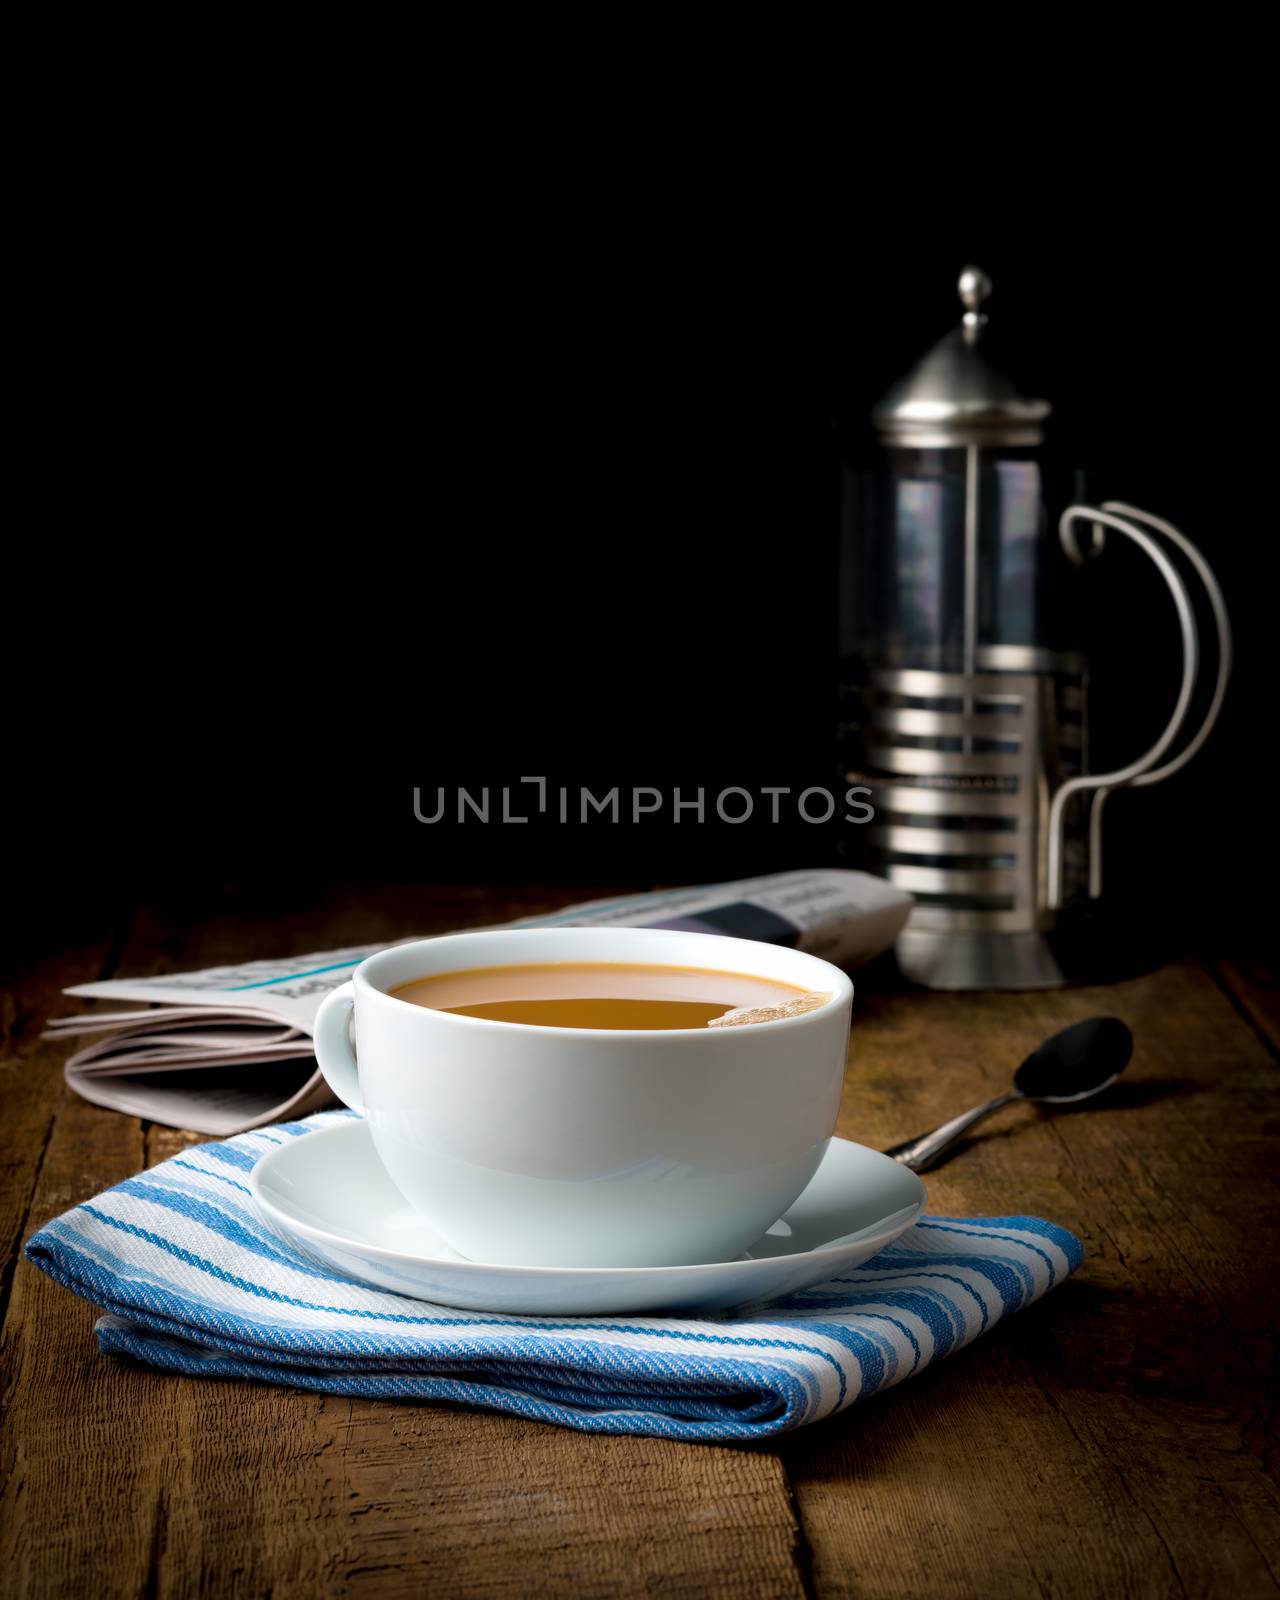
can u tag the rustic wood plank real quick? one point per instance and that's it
(1253, 983)
(80, 1442)
(1114, 1439)
(31, 1088)
(68, 1523)
(125, 1480)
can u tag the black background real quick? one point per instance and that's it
(516, 484)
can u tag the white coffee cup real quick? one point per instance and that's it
(538, 1146)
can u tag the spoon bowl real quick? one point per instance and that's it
(1077, 1063)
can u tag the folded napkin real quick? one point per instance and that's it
(193, 1280)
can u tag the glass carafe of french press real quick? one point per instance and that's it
(965, 694)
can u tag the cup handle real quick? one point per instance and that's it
(332, 1039)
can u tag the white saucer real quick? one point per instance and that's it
(330, 1192)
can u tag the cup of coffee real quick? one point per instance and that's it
(593, 1097)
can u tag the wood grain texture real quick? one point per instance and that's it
(1117, 1438)
(31, 1088)
(1253, 984)
(1114, 1440)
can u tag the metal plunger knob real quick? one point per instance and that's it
(974, 287)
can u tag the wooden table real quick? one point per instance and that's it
(1112, 1440)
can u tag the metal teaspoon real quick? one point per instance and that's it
(1072, 1066)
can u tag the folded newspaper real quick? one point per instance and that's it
(229, 1048)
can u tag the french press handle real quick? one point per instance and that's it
(1140, 526)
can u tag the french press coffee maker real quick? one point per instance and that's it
(965, 695)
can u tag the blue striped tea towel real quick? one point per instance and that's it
(193, 1281)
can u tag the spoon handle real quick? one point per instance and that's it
(922, 1152)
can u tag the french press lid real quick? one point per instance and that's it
(953, 396)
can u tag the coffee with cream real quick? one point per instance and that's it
(608, 994)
